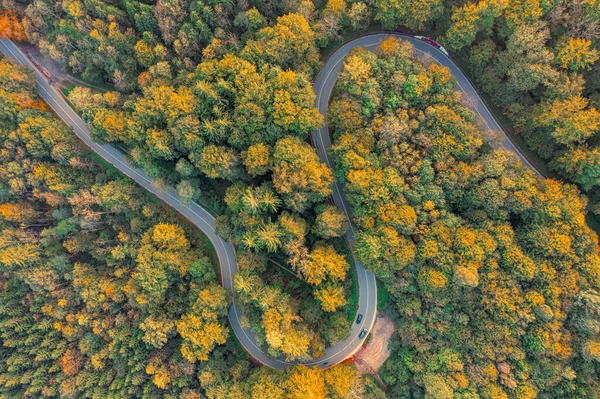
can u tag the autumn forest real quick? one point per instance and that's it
(480, 245)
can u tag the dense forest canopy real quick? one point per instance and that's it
(492, 273)
(243, 119)
(535, 59)
(105, 292)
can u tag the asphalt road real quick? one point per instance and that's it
(193, 212)
(323, 87)
(328, 75)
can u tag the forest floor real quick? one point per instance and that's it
(375, 353)
(51, 68)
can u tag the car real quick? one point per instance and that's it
(359, 318)
(432, 43)
(363, 333)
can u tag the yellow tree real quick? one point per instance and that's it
(293, 101)
(290, 42)
(324, 261)
(340, 379)
(331, 222)
(199, 337)
(267, 384)
(22, 212)
(331, 296)
(156, 330)
(576, 53)
(17, 248)
(591, 350)
(219, 162)
(298, 174)
(297, 343)
(569, 121)
(431, 280)
(306, 383)
(257, 159)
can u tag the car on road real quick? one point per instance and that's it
(359, 318)
(433, 43)
(363, 333)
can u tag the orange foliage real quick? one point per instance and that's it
(10, 27)
(26, 102)
(71, 362)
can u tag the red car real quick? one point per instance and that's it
(432, 43)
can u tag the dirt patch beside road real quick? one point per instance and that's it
(369, 359)
(51, 69)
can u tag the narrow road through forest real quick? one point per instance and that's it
(323, 87)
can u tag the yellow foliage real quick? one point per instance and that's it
(166, 236)
(331, 297)
(390, 46)
(466, 276)
(432, 279)
(271, 320)
(591, 350)
(305, 383)
(428, 249)
(199, 337)
(428, 205)
(19, 255)
(356, 69)
(160, 375)
(267, 386)
(525, 390)
(11, 212)
(577, 53)
(335, 8)
(181, 103)
(296, 343)
(10, 26)
(535, 298)
(340, 380)
(324, 261)
(94, 33)
(257, 159)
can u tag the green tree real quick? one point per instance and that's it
(330, 222)
(576, 53)
(298, 175)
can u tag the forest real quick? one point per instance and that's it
(106, 292)
(492, 273)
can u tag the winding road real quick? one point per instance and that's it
(323, 87)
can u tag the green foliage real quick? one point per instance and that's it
(414, 13)
(298, 175)
(490, 268)
(94, 277)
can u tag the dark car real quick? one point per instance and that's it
(363, 333)
(359, 318)
(433, 43)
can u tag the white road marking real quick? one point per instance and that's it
(83, 132)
